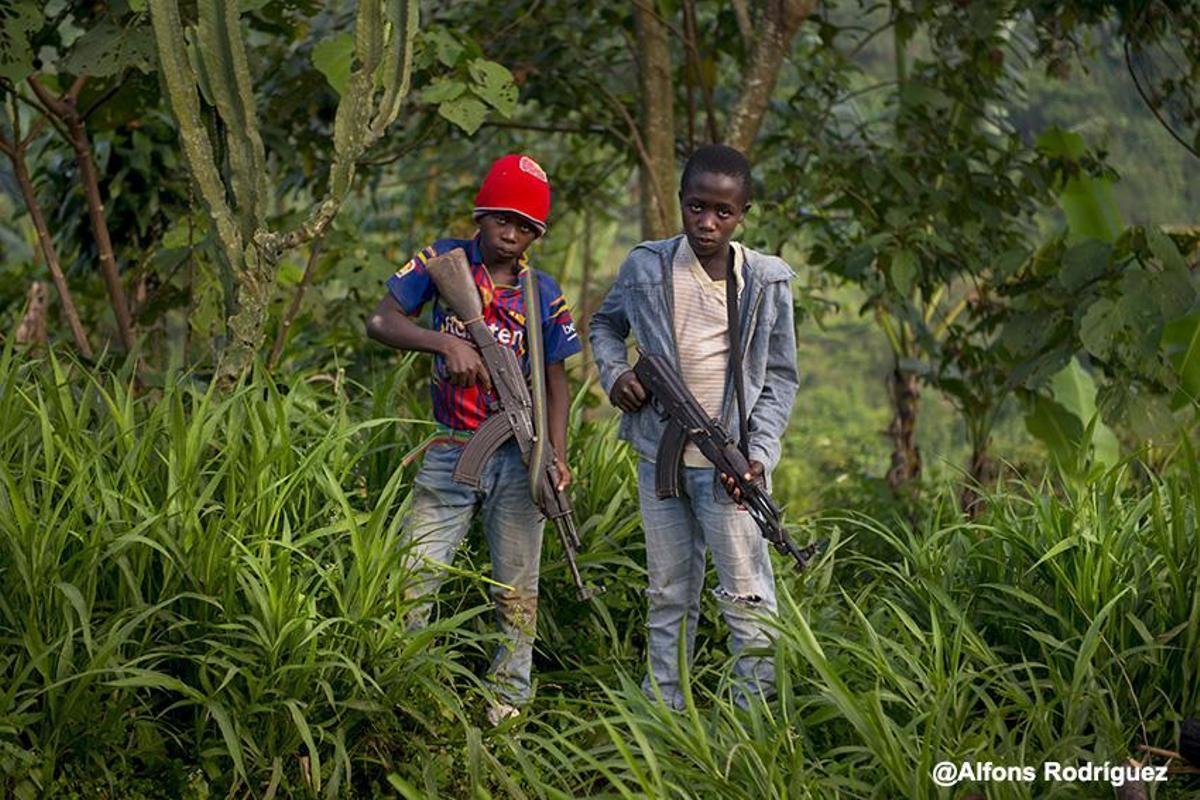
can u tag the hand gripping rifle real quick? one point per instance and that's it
(514, 415)
(687, 420)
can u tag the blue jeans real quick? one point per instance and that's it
(437, 521)
(678, 532)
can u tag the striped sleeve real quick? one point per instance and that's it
(558, 326)
(411, 285)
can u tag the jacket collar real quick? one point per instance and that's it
(758, 268)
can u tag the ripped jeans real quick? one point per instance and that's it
(437, 521)
(678, 532)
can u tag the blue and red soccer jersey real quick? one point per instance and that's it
(465, 408)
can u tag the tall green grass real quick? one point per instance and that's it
(200, 595)
(1061, 628)
(206, 584)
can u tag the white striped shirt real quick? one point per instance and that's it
(702, 333)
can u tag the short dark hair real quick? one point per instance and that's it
(721, 159)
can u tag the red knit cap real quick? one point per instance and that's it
(516, 183)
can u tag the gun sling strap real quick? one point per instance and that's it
(535, 351)
(735, 352)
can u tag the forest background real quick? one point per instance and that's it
(991, 208)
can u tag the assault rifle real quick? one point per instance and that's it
(514, 415)
(686, 420)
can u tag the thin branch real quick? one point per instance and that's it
(289, 317)
(1146, 99)
(49, 254)
(16, 122)
(693, 47)
(108, 94)
(72, 95)
(643, 153)
(401, 153)
(58, 107)
(745, 24)
(550, 128)
(652, 11)
(10, 148)
(529, 11)
(43, 118)
(863, 42)
(66, 109)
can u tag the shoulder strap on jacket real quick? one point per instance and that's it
(735, 353)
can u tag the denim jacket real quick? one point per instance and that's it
(642, 301)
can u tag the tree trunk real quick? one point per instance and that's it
(982, 476)
(108, 260)
(656, 176)
(250, 248)
(254, 280)
(66, 109)
(904, 390)
(585, 287)
(779, 21)
(17, 156)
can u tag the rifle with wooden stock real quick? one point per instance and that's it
(687, 420)
(515, 414)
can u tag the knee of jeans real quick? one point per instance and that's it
(519, 608)
(666, 595)
(742, 599)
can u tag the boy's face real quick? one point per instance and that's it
(504, 237)
(712, 206)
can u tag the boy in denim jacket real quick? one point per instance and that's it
(671, 295)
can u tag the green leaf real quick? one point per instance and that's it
(1181, 342)
(1099, 328)
(465, 112)
(445, 47)
(109, 49)
(915, 93)
(1074, 390)
(1055, 427)
(1150, 418)
(305, 731)
(1141, 316)
(904, 270)
(229, 733)
(1010, 262)
(1070, 421)
(443, 89)
(20, 19)
(1106, 448)
(1084, 263)
(405, 788)
(1088, 202)
(1024, 333)
(858, 261)
(1165, 250)
(494, 83)
(1170, 292)
(333, 57)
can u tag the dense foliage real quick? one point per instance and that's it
(992, 210)
(200, 597)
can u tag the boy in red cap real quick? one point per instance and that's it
(510, 211)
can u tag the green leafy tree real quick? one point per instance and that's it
(383, 56)
(102, 47)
